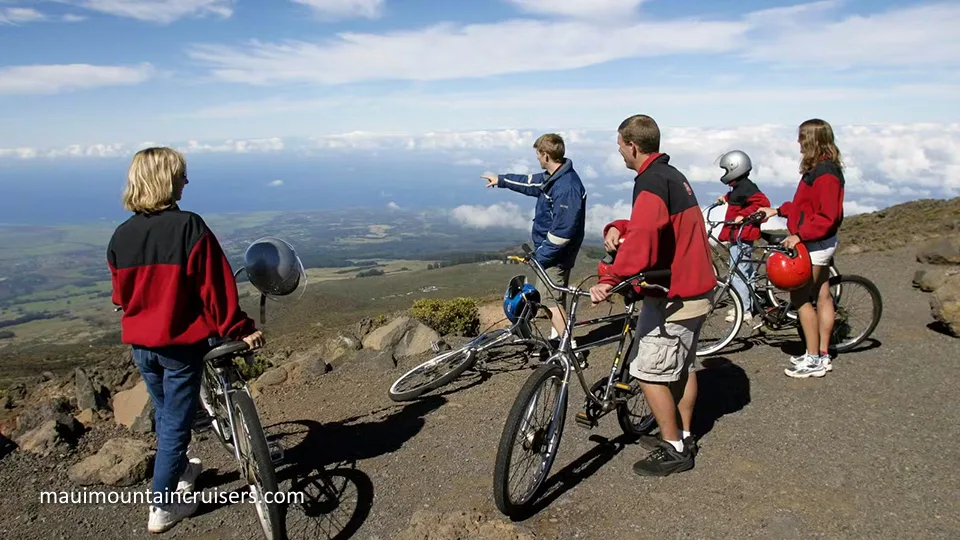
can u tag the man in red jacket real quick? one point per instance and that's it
(743, 199)
(665, 231)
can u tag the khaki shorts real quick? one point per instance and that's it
(548, 296)
(664, 349)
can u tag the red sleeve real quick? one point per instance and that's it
(639, 251)
(618, 224)
(785, 209)
(827, 193)
(210, 270)
(756, 201)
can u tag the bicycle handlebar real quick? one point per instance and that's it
(641, 277)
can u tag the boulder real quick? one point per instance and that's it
(383, 359)
(120, 462)
(50, 437)
(944, 250)
(932, 279)
(134, 409)
(87, 417)
(90, 393)
(272, 376)
(461, 525)
(404, 336)
(945, 305)
(32, 417)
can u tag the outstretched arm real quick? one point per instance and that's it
(527, 184)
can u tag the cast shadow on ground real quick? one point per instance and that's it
(795, 347)
(723, 388)
(320, 461)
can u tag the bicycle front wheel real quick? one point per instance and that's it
(530, 439)
(257, 466)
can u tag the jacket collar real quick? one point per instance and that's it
(562, 170)
(658, 157)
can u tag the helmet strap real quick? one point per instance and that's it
(263, 308)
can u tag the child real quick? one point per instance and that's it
(743, 199)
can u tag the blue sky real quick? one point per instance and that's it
(469, 84)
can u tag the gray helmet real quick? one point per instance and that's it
(273, 267)
(737, 165)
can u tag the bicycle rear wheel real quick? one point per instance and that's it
(257, 467)
(634, 415)
(533, 428)
(717, 332)
(854, 321)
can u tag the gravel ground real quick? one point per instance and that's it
(869, 451)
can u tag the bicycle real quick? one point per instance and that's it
(776, 314)
(616, 391)
(721, 256)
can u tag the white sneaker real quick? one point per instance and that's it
(730, 315)
(190, 474)
(807, 366)
(163, 520)
(827, 362)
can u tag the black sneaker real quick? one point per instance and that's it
(652, 442)
(665, 460)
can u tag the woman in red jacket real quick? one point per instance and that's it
(813, 218)
(177, 290)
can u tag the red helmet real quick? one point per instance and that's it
(790, 273)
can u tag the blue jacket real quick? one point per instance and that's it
(560, 216)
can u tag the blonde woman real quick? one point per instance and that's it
(813, 218)
(176, 289)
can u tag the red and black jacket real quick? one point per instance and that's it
(816, 211)
(173, 281)
(744, 199)
(665, 230)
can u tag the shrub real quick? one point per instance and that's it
(369, 273)
(456, 316)
(250, 372)
(6, 334)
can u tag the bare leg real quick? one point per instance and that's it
(825, 307)
(807, 314)
(687, 399)
(663, 407)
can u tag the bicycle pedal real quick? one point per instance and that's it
(276, 453)
(622, 386)
(584, 421)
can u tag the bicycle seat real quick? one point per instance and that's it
(226, 350)
(773, 238)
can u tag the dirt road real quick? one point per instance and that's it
(869, 451)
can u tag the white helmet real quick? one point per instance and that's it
(737, 165)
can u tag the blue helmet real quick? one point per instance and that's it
(518, 293)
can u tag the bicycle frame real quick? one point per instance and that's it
(222, 380)
(565, 351)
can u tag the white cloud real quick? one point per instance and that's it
(816, 34)
(598, 215)
(883, 161)
(275, 183)
(18, 15)
(496, 215)
(583, 9)
(449, 51)
(339, 9)
(160, 11)
(50, 79)
(393, 206)
(231, 146)
(589, 173)
(852, 208)
(469, 162)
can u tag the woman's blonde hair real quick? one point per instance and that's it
(154, 177)
(817, 144)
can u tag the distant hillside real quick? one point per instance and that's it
(901, 225)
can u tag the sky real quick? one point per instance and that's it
(439, 92)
